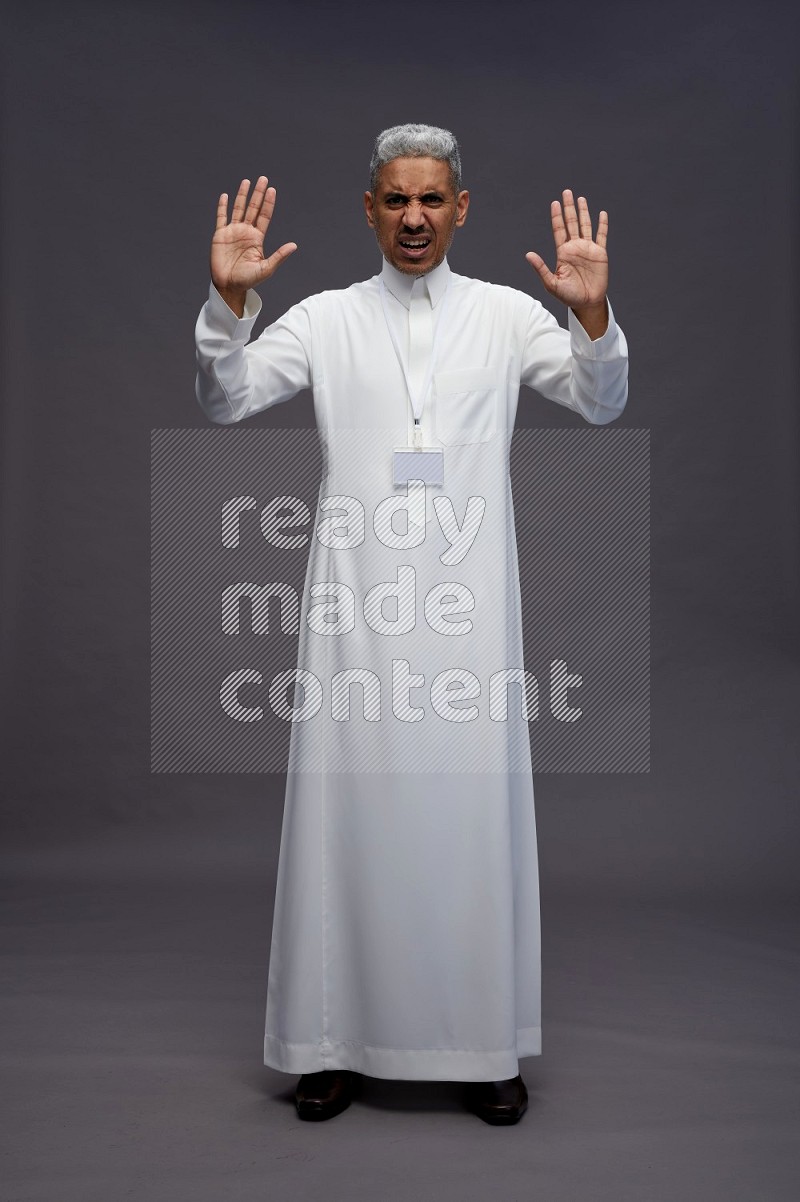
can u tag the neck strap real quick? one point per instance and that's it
(418, 400)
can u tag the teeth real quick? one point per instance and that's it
(415, 245)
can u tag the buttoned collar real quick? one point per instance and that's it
(402, 286)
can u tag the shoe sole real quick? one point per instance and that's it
(500, 1120)
(316, 1114)
(497, 1118)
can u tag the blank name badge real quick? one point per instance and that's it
(418, 463)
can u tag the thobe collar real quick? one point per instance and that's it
(402, 286)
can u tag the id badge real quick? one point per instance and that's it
(418, 463)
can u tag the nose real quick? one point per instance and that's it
(412, 218)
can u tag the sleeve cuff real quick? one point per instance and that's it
(235, 327)
(599, 348)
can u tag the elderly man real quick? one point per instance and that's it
(406, 936)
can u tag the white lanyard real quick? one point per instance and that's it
(418, 401)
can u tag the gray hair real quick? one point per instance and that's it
(418, 142)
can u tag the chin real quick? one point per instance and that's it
(419, 268)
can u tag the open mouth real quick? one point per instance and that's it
(415, 247)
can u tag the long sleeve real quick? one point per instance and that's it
(234, 379)
(566, 366)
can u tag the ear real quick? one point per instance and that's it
(462, 204)
(368, 209)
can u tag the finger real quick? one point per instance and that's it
(557, 222)
(239, 202)
(584, 220)
(271, 265)
(267, 209)
(255, 199)
(570, 215)
(602, 228)
(222, 211)
(538, 264)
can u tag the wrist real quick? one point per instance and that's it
(590, 310)
(234, 298)
(593, 318)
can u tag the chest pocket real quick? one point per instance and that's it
(466, 405)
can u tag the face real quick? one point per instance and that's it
(415, 212)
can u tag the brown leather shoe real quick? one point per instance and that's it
(322, 1095)
(497, 1102)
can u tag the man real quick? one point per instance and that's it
(406, 938)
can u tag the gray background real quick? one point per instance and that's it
(138, 907)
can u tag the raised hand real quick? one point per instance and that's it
(580, 279)
(237, 258)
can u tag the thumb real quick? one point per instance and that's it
(269, 266)
(539, 265)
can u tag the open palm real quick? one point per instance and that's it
(237, 248)
(580, 279)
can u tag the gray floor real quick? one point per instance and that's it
(132, 1018)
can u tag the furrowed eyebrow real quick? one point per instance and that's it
(425, 196)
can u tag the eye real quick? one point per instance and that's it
(432, 199)
(395, 202)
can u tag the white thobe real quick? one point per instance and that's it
(406, 935)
